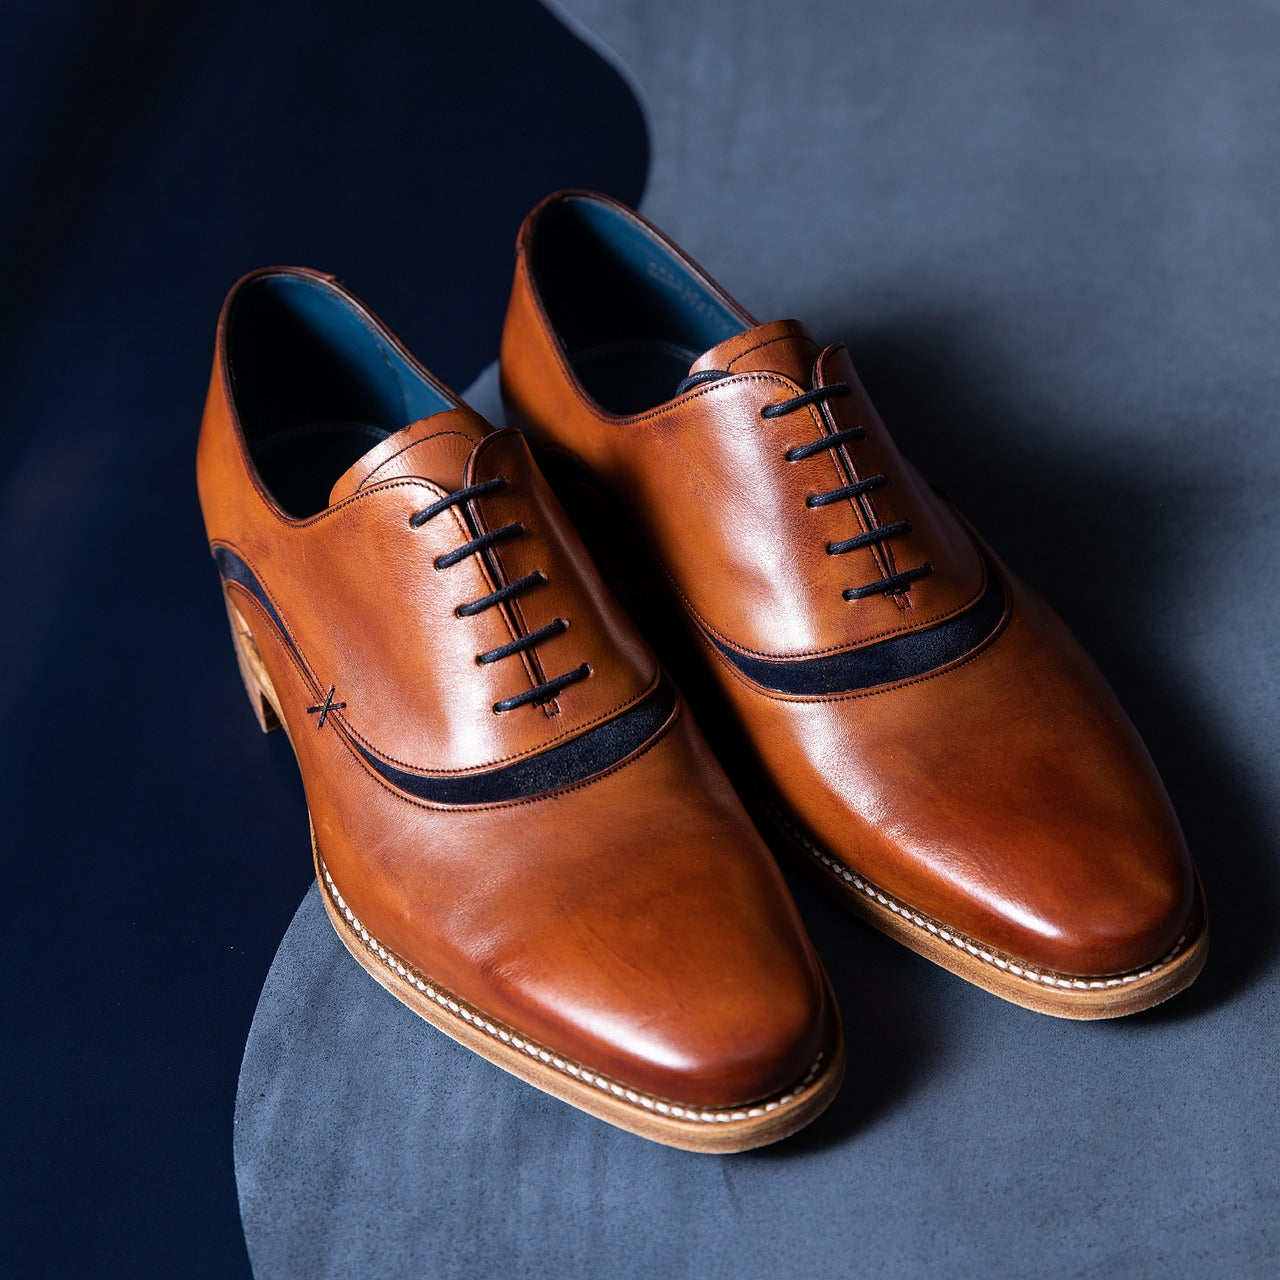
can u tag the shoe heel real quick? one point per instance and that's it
(257, 684)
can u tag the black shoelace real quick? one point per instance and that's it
(548, 689)
(894, 583)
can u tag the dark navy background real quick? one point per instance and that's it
(1049, 234)
(151, 154)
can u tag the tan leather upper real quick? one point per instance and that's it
(632, 919)
(1002, 791)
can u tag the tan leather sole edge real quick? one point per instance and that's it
(1061, 995)
(673, 1124)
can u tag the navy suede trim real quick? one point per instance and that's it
(571, 762)
(562, 766)
(886, 662)
(234, 569)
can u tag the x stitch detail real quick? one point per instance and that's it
(325, 707)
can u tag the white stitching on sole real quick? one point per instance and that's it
(477, 1020)
(1005, 963)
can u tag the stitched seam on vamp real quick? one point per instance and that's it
(853, 696)
(768, 342)
(818, 653)
(372, 774)
(513, 804)
(382, 486)
(302, 665)
(601, 416)
(413, 444)
(533, 751)
(505, 1034)
(458, 522)
(518, 755)
(418, 768)
(690, 397)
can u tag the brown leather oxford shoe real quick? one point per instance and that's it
(930, 739)
(517, 827)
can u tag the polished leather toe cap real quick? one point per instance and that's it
(1006, 797)
(672, 958)
(637, 926)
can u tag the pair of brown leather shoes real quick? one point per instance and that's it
(518, 828)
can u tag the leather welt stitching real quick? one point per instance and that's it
(1046, 977)
(541, 1053)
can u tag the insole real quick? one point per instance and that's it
(301, 464)
(632, 376)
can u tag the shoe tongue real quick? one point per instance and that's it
(784, 346)
(434, 448)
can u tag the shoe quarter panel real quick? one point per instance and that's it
(707, 482)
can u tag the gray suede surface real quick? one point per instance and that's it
(1051, 236)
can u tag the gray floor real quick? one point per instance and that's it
(1051, 236)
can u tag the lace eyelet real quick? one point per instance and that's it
(895, 583)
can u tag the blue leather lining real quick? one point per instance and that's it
(629, 311)
(562, 766)
(885, 662)
(316, 382)
(335, 333)
(679, 296)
